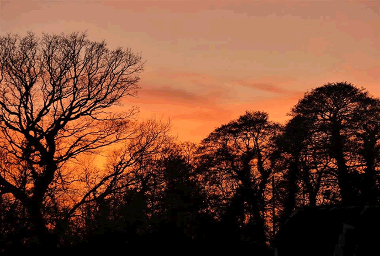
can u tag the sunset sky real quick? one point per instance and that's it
(207, 61)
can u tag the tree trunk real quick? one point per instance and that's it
(290, 199)
(43, 240)
(347, 195)
(369, 188)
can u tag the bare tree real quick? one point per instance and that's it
(121, 196)
(54, 95)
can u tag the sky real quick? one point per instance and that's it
(208, 61)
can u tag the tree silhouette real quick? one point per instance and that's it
(287, 155)
(365, 143)
(235, 159)
(328, 155)
(55, 92)
(119, 201)
(335, 111)
(182, 201)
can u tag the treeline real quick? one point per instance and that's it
(234, 190)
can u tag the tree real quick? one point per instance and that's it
(180, 201)
(301, 164)
(236, 166)
(287, 157)
(54, 95)
(365, 144)
(342, 118)
(118, 203)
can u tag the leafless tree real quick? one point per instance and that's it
(56, 92)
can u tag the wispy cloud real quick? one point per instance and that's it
(175, 94)
(280, 85)
(206, 115)
(169, 95)
(264, 87)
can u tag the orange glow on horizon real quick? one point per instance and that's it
(209, 61)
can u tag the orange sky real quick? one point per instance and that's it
(208, 61)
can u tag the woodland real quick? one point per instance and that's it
(236, 189)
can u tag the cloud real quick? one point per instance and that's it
(182, 88)
(158, 95)
(280, 85)
(206, 115)
(264, 87)
(175, 95)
